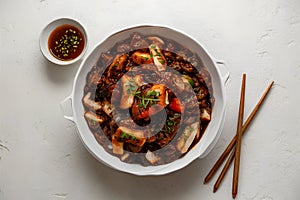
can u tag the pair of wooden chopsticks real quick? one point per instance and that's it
(235, 143)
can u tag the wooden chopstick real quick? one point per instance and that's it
(238, 145)
(224, 170)
(232, 143)
(230, 146)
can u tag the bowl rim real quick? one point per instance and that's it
(49, 27)
(167, 168)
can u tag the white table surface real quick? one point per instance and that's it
(41, 156)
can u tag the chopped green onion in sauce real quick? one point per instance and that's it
(66, 42)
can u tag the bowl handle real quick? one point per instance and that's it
(67, 101)
(225, 74)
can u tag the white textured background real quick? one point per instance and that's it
(41, 156)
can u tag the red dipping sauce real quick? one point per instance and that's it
(66, 42)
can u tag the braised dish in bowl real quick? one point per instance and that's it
(148, 100)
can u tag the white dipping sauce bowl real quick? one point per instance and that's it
(44, 37)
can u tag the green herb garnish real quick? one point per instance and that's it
(94, 122)
(169, 125)
(148, 99)
(161, 61)
(145, 58)
(152, 93)
(123, 134)
(189, 79)
(127, 136)
(132, 86)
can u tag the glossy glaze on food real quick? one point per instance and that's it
(148, 100)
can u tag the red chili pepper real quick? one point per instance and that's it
(176, 105)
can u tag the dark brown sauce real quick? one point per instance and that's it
(66, 42)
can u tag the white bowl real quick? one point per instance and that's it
(211, 134)
(48, 30)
